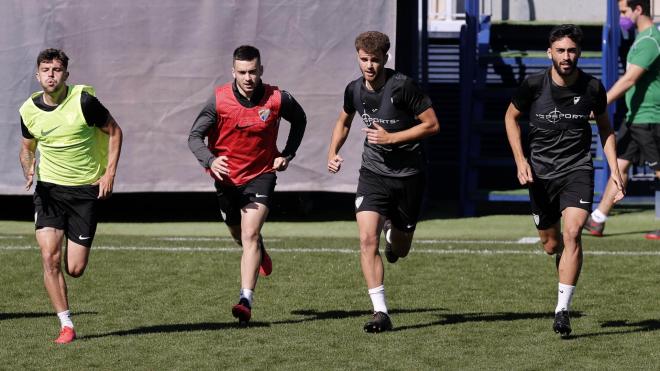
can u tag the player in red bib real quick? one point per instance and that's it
(241, 123)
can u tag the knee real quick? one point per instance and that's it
(551, 245)
(368, 242)
(249, 237)
(51, 263)
(572, 234)
(75, 271)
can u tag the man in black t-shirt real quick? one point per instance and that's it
(559, 173)
(397, 115)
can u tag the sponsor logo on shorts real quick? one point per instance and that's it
(83, 238)
(537, 219)
(584, 202)
(259, 195)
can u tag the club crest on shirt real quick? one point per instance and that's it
(264, 113)
(576, 100)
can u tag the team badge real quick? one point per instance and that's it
(358, 202)
(264, 113)
(576, 100)
(536, 219)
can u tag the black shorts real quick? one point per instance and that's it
(69, 208)
(398, 199)
(233, 198)
(639, 144)
(549, 197)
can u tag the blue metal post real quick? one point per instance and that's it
(468, 63)
(424, 43)
(610, 73)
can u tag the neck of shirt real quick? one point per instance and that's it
(565, 82)
(253, 100)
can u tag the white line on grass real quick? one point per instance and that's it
(223, 239)
(445, 251)
(522, 241)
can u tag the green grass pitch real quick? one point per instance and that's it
(471, 295)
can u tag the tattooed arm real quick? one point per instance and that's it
(26, 156)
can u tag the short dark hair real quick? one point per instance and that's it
(246, 53)
(50, 54)
(571, 31)
(645, 4)
(372, 41)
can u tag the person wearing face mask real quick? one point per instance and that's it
(638, 140)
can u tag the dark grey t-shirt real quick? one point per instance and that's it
(560, 136)
(394, 107)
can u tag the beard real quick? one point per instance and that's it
(562, 72)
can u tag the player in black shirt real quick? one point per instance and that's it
(559, 173)
(397, 115)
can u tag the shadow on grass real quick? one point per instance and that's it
(19, 315)
(176, 327)
(452, 319)
(216, 326)
(624, 327)
(313, 315)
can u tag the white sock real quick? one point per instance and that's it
(377, 295)
(598, 216)
(564, 297)
(65, 319)
(247, 294)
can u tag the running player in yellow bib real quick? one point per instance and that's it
(79, 144)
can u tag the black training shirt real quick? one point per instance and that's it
(560, 135)
(394, 107)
